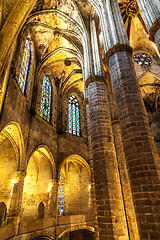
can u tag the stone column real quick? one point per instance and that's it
(93, 193)
(122, 167)
(15, 206)
(111, 220)
(52, 209)
(110, 211)
(150, 10)
(138, 142)
(125, 183)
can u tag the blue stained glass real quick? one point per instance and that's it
(142, 59)
(45, 110)
(74, 123)
(24, 66)
(60, 196)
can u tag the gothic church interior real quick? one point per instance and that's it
(79, 119)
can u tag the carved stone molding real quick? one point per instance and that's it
(85, 102)
(154, 29)
(114, 122)
(117, 48)
(95, 78)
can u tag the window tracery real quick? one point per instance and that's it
(24, 66)
(74, 123)
(142, 59)
(45, 110)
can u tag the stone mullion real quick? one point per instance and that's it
(126, 188)
(138, 144)
(111, 217)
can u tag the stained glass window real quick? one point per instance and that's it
(74, 123)
(142, 59)
(60, 196)
(24, 66)
(45, 110)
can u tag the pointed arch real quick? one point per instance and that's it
(73, 116)
(11, 161)
(12, 131)
(74, 184)
(45, 151)
(75, 228)
(77, 159)
(38, 183)
(45, 110)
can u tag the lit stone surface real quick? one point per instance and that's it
(111, 168)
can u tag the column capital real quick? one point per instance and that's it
(154, 29)
(95, 78)
(117, 48)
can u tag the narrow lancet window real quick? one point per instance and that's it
(24, 66)
(45, 110)
(74, 123)
(60, 196)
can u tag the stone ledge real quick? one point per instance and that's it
(31, 226)
(75, 219)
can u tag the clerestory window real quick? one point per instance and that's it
(74, 122)
(22, 81)
(45, 111)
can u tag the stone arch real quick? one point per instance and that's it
(77, 158)
(89, 228)
(12, 155)
(76, 186)
(45, 149)
(41, 208)
(13, 132)
(38, 182)
(43, 237)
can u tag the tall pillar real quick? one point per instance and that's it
(111, 217)
(122, 167)
(93, 193)
(110, 211)
(52, 208)
(125, 183)
(150, 11)
(138, 142)
(15, 206)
